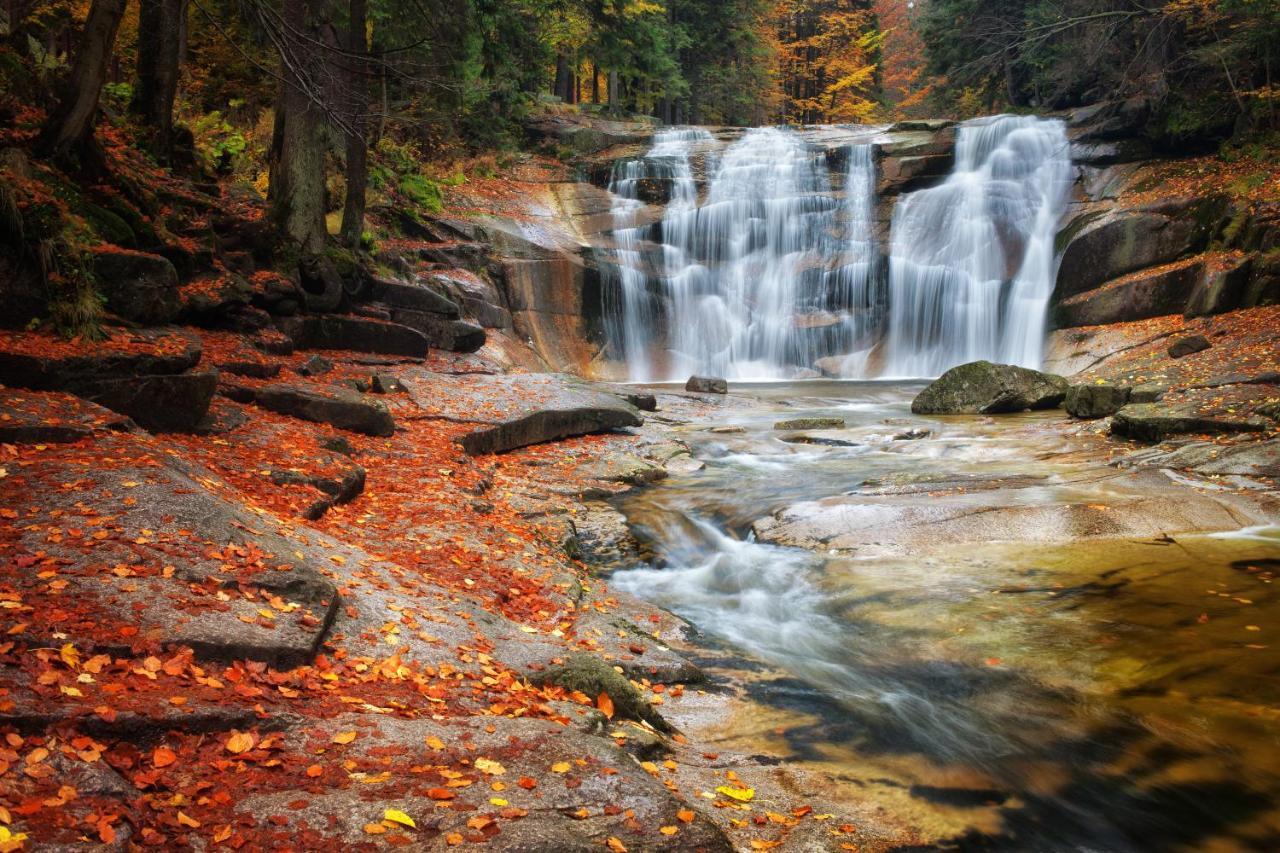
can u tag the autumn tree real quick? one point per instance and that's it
(829, 54)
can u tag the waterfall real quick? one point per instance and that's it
(972, 261)
(773, 268)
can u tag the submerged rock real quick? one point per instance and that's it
(1095, 401)
(985, 388)
(707, 385)
(810, 423)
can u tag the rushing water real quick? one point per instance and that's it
(1089, 695)
(773, 267)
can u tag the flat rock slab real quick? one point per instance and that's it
(1158, 421)
(516, 411)
(329, 404)
(41, 417)
(894, 525)
(563, 811)
(1250, 459)
(357, 334)
(123, 544)
(47, 363)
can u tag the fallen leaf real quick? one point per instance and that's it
(239, 742)
(344, 737)
(685, 815)
(615, 845)
(742, 795)
(489, 766)
(397, 816)
(605, 704)
(163, 757)
(560, 767)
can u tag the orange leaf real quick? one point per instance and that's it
(605, 704)
(239, 742)
(315, 770)
(685, 815)
(615, 845)
(344, 737)
(453, 839)
(441, 794)
(163, 757)
(188, 821)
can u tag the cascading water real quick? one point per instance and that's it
(776, 267)
(972, 260)
(743, 277)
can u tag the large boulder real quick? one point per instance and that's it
(442, 332)
(162, 403)
(1147, 293)
(982, 387)
(1223, 286)
(333, 405)
(358, 334)
(39, 417)
(138, 286)
(1095, 401)
(707, 385)
(416, 297)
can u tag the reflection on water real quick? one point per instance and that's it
(1100, 695)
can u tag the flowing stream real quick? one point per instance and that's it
(1061, 695)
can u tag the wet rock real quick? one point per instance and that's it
(1095, 401)
(342, 483)
(339, 444)
(358, 334)
(155, 351)
(1147, 392)
(1118, 243)
(1251, 459)
(163, 403)
(627, 468)
(519, 410)
(33, 417)
(252, 368)
(138, 286)
(707, 385)
(727, 430)
(315, 366)
(332, 405)
(818, 440)
(810, 423)
(913, 434)
(982, 387)
(642, 400)
(223, 417)
(1158, 421)
(1188, 346)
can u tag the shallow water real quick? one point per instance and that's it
(1092, 695)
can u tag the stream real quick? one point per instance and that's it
(1095, 694)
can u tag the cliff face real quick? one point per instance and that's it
(1142, 237)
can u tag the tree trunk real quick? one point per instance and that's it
(595, 84)
(562, 78)
(357, 141)
(69, 129)
(161, 26)
(297, 168)
(613, 91)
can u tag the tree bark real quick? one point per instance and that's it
(297, 190)
(357, 138)
(595, 84)
(562, 78)
(161, 27)
(69, 128)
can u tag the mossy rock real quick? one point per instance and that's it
(984, 388)
(109, 226)
(592, 676)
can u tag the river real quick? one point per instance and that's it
(1034, 692)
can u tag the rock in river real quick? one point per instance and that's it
(984, 388)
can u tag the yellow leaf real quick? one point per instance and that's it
(560, 767)
(397, 816)
(615, 845)
(435, 743)
(344, 737)
(668, 830)
(70, 655)
(742, 795)
(239, 742)
(184, 820)
(488, 765)
(498, 801)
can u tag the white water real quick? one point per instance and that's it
(972, 260)
(776, 266)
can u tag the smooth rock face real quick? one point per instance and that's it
(1188, 346)
(442, 332)
(416, 297)
(982, 387)
(1158, 421)
(1118, 244)
(164, 403)
(707, 385)
(138, 286)
(1252, 459)
(1149, 293)
(1223, 287)
(1095, 401)
(332, 405)
(359, 334)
